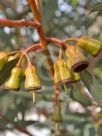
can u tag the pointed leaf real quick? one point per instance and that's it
(77, 95)
(5, 72)
(93, 86)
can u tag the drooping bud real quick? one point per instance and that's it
(3, 59)
(57, 115)
(75, 76)
(57, 77)
(90, 45)
(61, 72)
(32, 81)
(13, 83)
(77, 60)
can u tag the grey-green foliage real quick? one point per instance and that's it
(97, 8)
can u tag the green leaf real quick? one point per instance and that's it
(89, 130)
(77, 95)
(5, 72)
(97, 7)
(93, 86)
(97, 70)
(92, 131)
(48, 10)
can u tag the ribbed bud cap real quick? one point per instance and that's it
(61, 72)
(32, 81)
(77, 60)
(13, 83)
(90, 45)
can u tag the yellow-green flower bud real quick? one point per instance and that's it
(77, 60)
(57, 77)
(3, 59)
(57, 116)
(13, 83)
(61, 72)
(75, 76)
(90, 45)
(32, 81)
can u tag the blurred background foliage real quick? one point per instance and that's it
(81, 114)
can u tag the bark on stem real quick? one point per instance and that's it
(37, 18)
(57, 42)
(57, 97)
(38, 4)
(11, 23)
(70, 40)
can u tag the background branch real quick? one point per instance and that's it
(16, 126)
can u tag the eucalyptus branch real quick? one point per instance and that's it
(11, 23)
(37, 18)
(38, 4)
(35, 11)
(14, 53)
(70, 40)
(56, 41)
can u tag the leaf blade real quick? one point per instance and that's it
(5, 72)
(93, 86)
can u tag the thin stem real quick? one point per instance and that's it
(70, 40)
(56, 127)
(56, 41)
(60, 43)
(65, 89)
(14, 52)
(27, 57)
(33, 47)
(57, 97)
(60, 54)
(34, 97)
(11, 23)
(20, 60)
